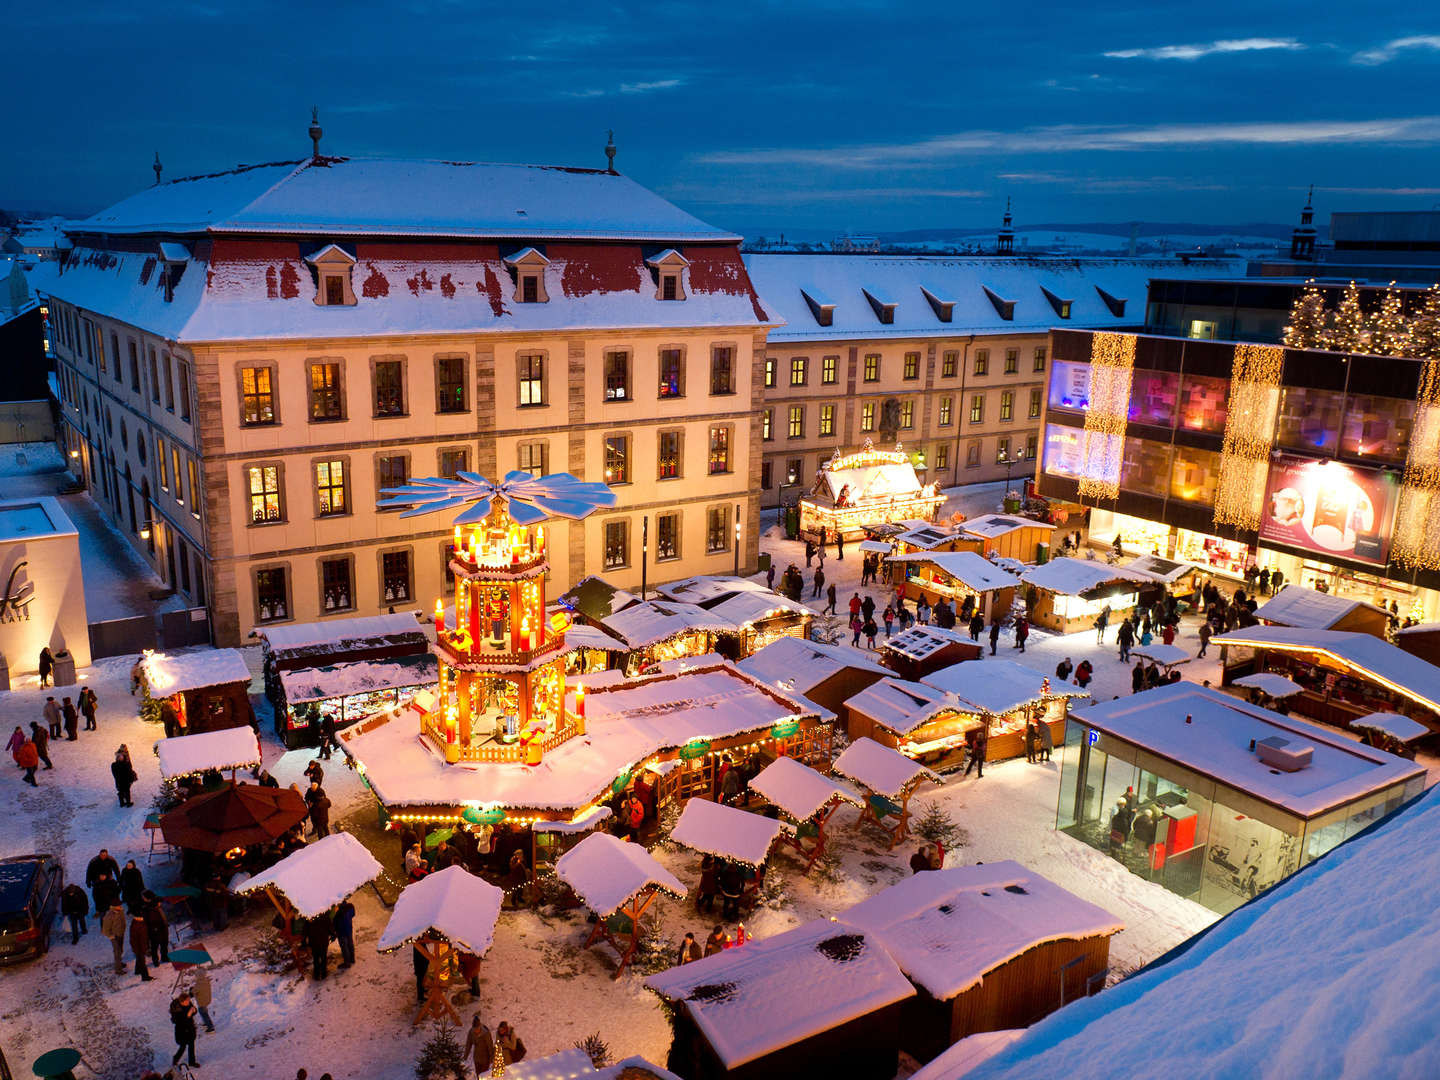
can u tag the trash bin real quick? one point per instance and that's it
(792, 522)
(764, 563)
(4, 672)
(1042, 554)
(64, 673)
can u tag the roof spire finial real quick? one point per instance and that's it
(1005, 242)
(157, 167)
(315, 131)
(1302, 238)
(610, 151)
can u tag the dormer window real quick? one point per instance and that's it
(528, 266)
(332, 265)
(175, 258)
(669, 269)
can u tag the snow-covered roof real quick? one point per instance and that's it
(585, 636)
(228, 748)
(1277, 686)
(972, 570)
(626, 722)
(1332, 973)
(454, 903)
(777, 991)
(747, 608)
(799, 790)
(338, 631)
(994, 526)
(960, 1058)
(705, 590)
(1406, 674)
(920, 642)
(319, 875)
(902, 706)
(172, 673)
(947, 929)
(880, 769)
(358, 677)
(998, 686)
(1162, 654)
(713, 828)
(607, 872)
(592, 819)
(1420, 628)
(926, 537)
(596, 599)
(575, 1064)
(1211, 732)
(1072, 577)
(1392, 724)
(871, 482)
(876, 547)
(798, 666)
(1295, 605)
(783, 279)
(649, 623)
(1166, 570)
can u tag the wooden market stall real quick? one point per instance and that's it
(1070, 593)
(665, 630)
(617, 880)
(195, 692)
(759, 614)
(966, 580)
(916, 652)
(824, 674)
(588, 648)
(1004, 696)
(988, 947)
(347, 692)
(1306, 609)
(866, 488)
(1009, 536)
(921, 721)
(1179, 579)
(889, 779)
(808, 798)
(1420, 639)
(1345, 675)
(226, 750)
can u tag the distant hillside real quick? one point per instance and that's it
(1104, 228)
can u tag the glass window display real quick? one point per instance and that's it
(1195, 475)
(1152, 398)
(1202, 403)
(1377, 427)
(1309, 419)
(1145, 466)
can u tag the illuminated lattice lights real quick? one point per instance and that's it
(1249, 434)
(1416, 538)
(1112, 364)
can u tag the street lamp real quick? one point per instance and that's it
(1009, 462)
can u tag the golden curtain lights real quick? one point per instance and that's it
(1249, 434)
(1112, 364)
(1416, 538)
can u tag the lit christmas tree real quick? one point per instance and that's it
(1307, 328)
(1389, 332)
(1350, 330)
(1424, 330)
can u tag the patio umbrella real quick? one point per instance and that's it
(237, 815)
(437, 837)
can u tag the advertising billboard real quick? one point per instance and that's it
(1330, 509)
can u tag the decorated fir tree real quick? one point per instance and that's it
(1424, 331)
(1350, 329)
(1308, 318)
(442, 1058)
(1389, 331)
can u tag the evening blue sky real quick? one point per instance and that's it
(801, 116)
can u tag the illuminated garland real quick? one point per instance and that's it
(1249, 434)
(1112, 364)
(1416, 537)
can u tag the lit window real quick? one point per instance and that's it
(533, 457)
(796, 428)
(532, 379)
(667, 537)
(717, 529)
(454, 462)
(769, 372)
(330, 488)
(617, 459)
(912, 365)
(395, 577)
(872, 368)
(671, 373)
(389, 388)
(977, 409)
(450, 384)
(669, 455)
(336, 580)
(942, 456)
(1012, 361)
(326, 402)
(1040, 350)
(797, 371)
(830, 370)
(944, 419)
(1007, 405)
(827, 420)
(867, 416)
(949, 364)
(264, 481)
(972, 455)
(767, 425)
(270, 600)
(907, 414)
(258, 396)
(617, 544)
(982, 361)
(617, 376)
(1035, 397)
(719, 449)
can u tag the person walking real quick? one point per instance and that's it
(72, 720)
(319, 809)
(977, 743)
(139, 946)
(47, 665)
(75, 905)
(88, 705)
(112, 925)
(315, 773)
(41, 738)
(870, 630)
(856, 626)
(809, 553)
(1205, 633)
(830, 598)
(1101, 622)
(132, 885)
(1167, 633)
(977, 626)
(344, 924)
(1137, 675)
(327, 736)
(994, 636)
(1022, 631)
(1083, 674)
(29, 760)
(819, 582)
(182, 1015)
(317, 932)
(839, 545)
(867, 607)
(17, 740)
(157, 928)
(889, 618)
(1063, 669)
(770, 577)
(479, 1045)
(1125, 636)
(1047, 739)
(124, 775)
(203, 997)
(53, 717)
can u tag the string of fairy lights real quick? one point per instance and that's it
(1249, 434)
(1415, 540)
(1102, 449)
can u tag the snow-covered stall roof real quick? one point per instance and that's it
(1332, 973)
(708, 591)
(1297, 606)
(1392, 724)
(1420, 628)
(1166, 570)
(889, 480)
(1075, 577)
(960, 1058)
(880, 769)
(172, 673)
(994, 526)
(727, 833)
(799, 790)
(318, 876)
(926, 537)
(919, 642)
(752, 1001)
(337, 631)
(645, 624)
(453, 903)
(1211, 732)
(358, 677)
(584, 636)
(973, 571)
(1406, 674)
(1267, 682)
(596, 599)
(998, 686)
(575, 1064)
(901, 706)
(228, 748)
(747, 608)
(607, 872)
(626, 723)
(947, 929)
(1162, 654)
(798, 666)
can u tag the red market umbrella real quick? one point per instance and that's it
(237, 815)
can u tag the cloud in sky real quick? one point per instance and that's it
(1070, 138)
(1399, 191)
(630, 88)
(1383, 54)
(1211, 48)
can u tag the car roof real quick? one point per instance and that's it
(16, 874)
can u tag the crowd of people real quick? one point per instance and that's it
(61, 722)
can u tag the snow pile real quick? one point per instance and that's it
(880, 769)
(453, 903)
(229, 748)
(320, 875)
(725, 832)
(166, 674)
(967, 1054)
(607, 873)
(948, 928)
(975, 572)
(776, 991)
(1297, 606)
(1267, 682)
(799, 790)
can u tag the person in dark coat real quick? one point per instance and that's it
(994, 636)
(75, 905)
(1126, 637)
(1205, 634)
(867, 607)
(732, 884)
(41, 738)
(139, 946)
(481, 1044)
(809, 553)
(839, 545)
(319, 810)
(132, 885)
(345, 932)
(1047, 739)
(266, 780)
(182, 1014)
(47, 665)
(1032, 742)
(977, 626)
(327, 736)
(157, 927)
(102, 863)
(1137, 677)
(88, 704)
(708, 887)
(315, 772)
(1022, 631)
(124, 774)
(422, 966)
(318, 932)
(819, 582)
(72, 720)
(1063, 669)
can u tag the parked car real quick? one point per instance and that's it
(30, 888)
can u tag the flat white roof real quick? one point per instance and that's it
(172, 673)
(901, 705)
(1295, 605)
(971, 570)
(1165, 569)
(993, 525)
(33, 519)
(1216, 742)
(337, 631)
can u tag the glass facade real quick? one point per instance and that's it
(1202, 403)
(1309, 419)
(1377, 427)
(1152, 398)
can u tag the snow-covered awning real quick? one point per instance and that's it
(1076, 577)
(338, 631)
(1267, 682)
(650, 623)
(877, 547)
(1297, 606)
(318, 876)
(228, 748)
(975, 572)
(358, 677)
(999, 686)
(453, 903)
(799, 790)
(745, 609)
(607, 873)
(1164, 655)
(584, 636)
(727, 833)
(797, 666)
(1392, 724)
(174, 673)
(880, 769)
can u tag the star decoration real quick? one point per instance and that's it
(530, 499)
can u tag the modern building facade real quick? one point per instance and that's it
(948, 356)
(246, 359)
